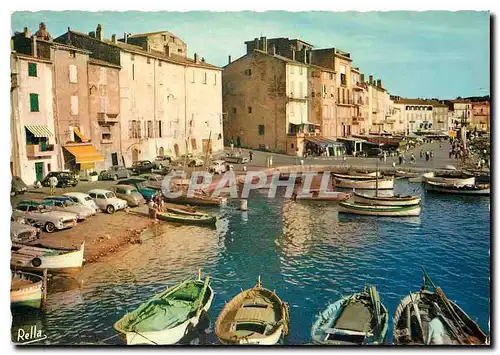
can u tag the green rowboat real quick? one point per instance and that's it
(187, 219)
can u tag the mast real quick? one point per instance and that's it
(376, 173)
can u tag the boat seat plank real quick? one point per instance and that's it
(356, 316)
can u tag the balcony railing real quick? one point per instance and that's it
(304, 134)
(38, 150)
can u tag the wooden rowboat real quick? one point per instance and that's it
(374, 210)
(168, 316)
(358, 319)
(419, 312)
(186, 211)
(61, 261)
(316, 195)
(256, 316)
(26, 290)
(196, 200)
(442, 178)
(383, 184)
(354, 176)
(407, 174)
(396, 200)
(456, 189)
(204, 219)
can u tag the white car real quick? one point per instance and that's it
(83, 199)
(21, 232)
(41, 216)
(107, 201)
(66, 204)
(194, 162)
(218, 167)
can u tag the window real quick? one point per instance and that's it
(134, 129)
(301, 70)
(73, 74)
(204, 78)
(193, 143)
(102, 76)
(149, 60)
(72, 54)
(132, 57)
(323, 91)
(159, 63)
(234, 110)
(325, 111)
(106, 136)
(150, 129)
(179, 50)
(133, 71)
(92, 194)
(215, 78)
(32, 69)
(301, 89)
(332, 76)
(261, 130)
(248, 72)
(104, 104)
(292, 69)
(249, 109)
(74, 105)
(158, 129)
(34, 103)
(164, 37)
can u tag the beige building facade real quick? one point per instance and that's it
(481, 117)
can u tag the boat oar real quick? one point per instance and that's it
(417, 314)
(145, 337)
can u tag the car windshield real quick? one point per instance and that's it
(133, 190)
(69, 203)
(109, 195)
(88, 198)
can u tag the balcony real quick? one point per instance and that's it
(39, 151)
(106, 141)
(304, 134)
(293, 97)
(107, 118)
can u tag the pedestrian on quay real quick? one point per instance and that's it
(412, 158)
(432, 154)
(422, 153)
(385, 156)
(400, 159)
(232, 145)
(451, 153)
(250, 155)
(53, 183)
(151, 205)
(427, 155)
(240, 151)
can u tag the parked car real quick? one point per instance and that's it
(107, 201)
(153, 181)
(374, 152)
(83, 199)
(64, 179)
(142, 166)
(217, 167)
(17, 186)
(162, 161)
(22, 232)
(235, 158)
(65, 203)
(165, 170)
(44, 217)
(140, 185)
(114, 173)
(128, 193)
(194, 162)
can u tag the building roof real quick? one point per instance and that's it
(146, 34)
(103, 63)
(322, 68)
(284, 59)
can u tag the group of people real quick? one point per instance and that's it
(155, 205)
(428, 155)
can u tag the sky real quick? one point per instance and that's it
(416, 54)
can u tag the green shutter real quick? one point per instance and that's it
(34, 103)
(32, 69)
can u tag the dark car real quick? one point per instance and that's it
(17, 186)
(374, 152)
(114, 173)
(140, 185)
(142, 166)
(64, 179)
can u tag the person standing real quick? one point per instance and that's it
(422, 153)
(400, 159)
(52, 183)
(427, 155)
(451, 153)
(250, 155)
(232, 145)
(432, 154)
(385, 156)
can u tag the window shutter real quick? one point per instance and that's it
(74, 105)
(73, 74)
(102, 78)
(32, 69)
(34, 103)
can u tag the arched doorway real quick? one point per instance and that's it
(176, 149)
(161, 151)
(135, 155)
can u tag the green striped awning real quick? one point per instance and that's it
(39, 131)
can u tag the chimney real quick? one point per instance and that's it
(196, 58)
(229, 59)
(92, 34)
(125, 37)
(203, 59)
(34, 51)
(26, 32)
(379, 83)
(371, 79)
(99, 33)
(309, 57)
(113, 38)
(256, 43)
(264, 43)
(166, 50)
(293, 53)
(68, 37)
(274, 49)
(305, 55)
(362, 78)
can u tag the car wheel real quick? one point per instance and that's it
(110, 209)
(50, 227)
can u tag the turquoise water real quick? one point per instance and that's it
(305, 251)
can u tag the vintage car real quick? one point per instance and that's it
(217, 167)
(128, 193)
(107, 201)
(153, 181)
(140, 185)
(82, 199)
(65, 203)
(64, 179)
(43, 216)
(194, 162)
(162, 161)
(235, 158)
(22, 232)
(142, 166)
(17, 186)
(114, 173)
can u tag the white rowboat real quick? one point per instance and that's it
(383, 184)
(387, 200)
(374, 210)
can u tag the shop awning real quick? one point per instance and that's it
(80, 135)
(84, 154)
(39, 131)
(321, 141)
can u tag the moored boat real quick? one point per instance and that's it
(396, 200)
(444, 178)
(187, 211)
(407, 174)
(168, 316)
(61, 261)
(421, 312)
(383, 184)
(204, 219)
(26, 290)
(196, 200)
(358, 319)
(374, 210)
(317, 195)
(354, 176)
(256, 316)
(458, 189)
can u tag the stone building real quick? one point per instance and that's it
(480, 119)
(417, 113)
(440, 117)
(323, 107)
(361, 101)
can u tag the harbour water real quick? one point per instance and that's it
(305, 251)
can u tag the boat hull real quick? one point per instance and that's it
(386, 201)
(188, 219)
(430, 177)
(456, 190)
(383, 184)
(382, 211)
(355, 177)
(184, 212)
(330, 196)
(272, 339)
(194, 201)
(27, 295)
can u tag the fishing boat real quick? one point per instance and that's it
(26, 290)
(407, 174)
(168, 316)
(376, 210)
(366, 172)
(189, 211)
(204, 219)
(449, 178)
(196, 200)
(419, 312)
(383, 184)
(317, 195)
(396, 200)
(256, 316)
(354, 177)
(358, 319)
(61, 261)
(457, 189)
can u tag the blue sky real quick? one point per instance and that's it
(416, 54)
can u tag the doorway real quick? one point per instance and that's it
(114, 159)
(176, 149)
(39, 171)
(161, 151)
(135, 155)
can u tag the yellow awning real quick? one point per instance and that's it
(39, 131)
(85, 154)
(80, 134)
